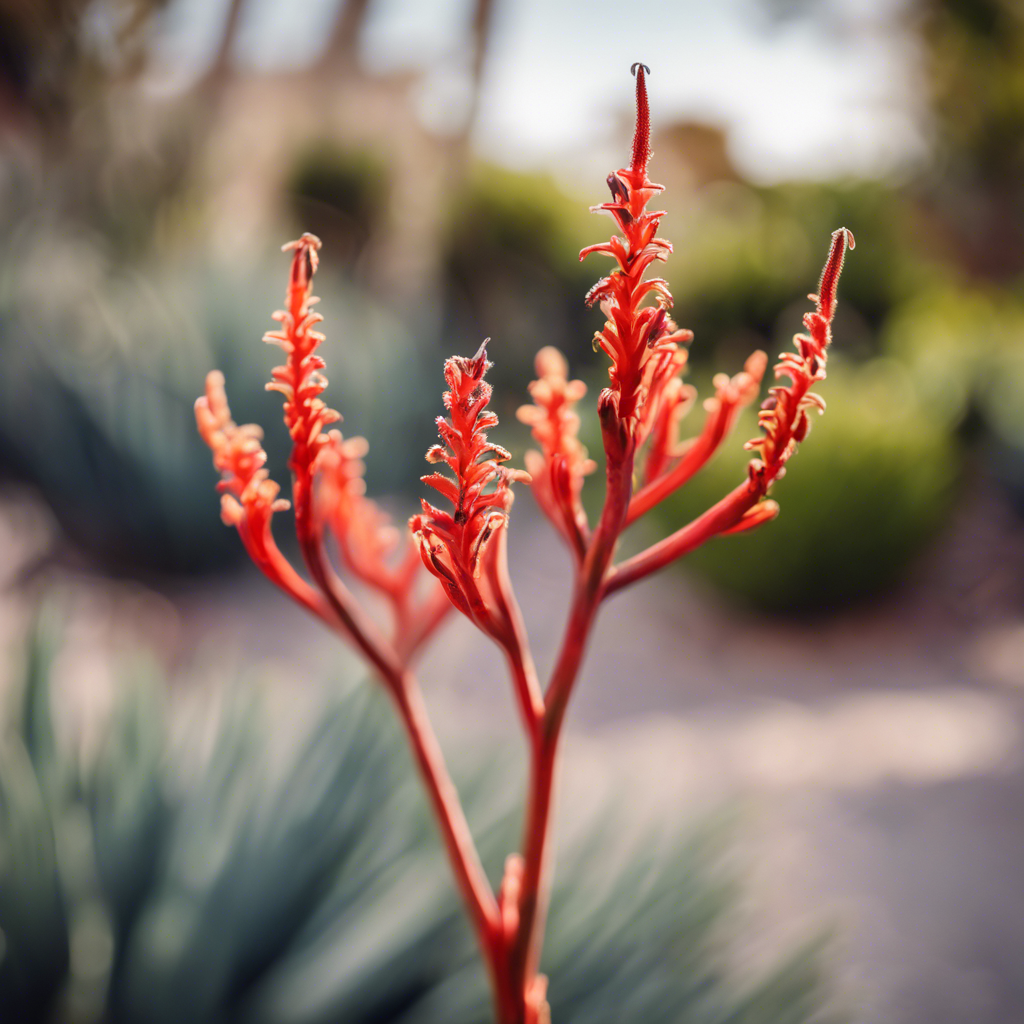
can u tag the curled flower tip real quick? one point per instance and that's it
(826, 297)
(642, 135)
(478, 365)
(306, 259)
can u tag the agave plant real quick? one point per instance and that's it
(146, 882)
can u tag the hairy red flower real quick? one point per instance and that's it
(459, 547)
(785, 413)
(300, 379)
(249, 498)
(641, 341)
(465, 548)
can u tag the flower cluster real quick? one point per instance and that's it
(648, 395)
(464, 548)
(328, 490)
(641, 341)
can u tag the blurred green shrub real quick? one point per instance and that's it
(964, 346)
(230, 876)
(513, 269)
(864, 495)
(745, 255)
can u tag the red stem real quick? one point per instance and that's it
(588, 593)
(716, 429)
(725, 514)
(458, 840)
(401, 684)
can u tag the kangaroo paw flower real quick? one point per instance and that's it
(249, 498)
(300, 379)
(785, 413)
(784, 418)
(561, 464)
(641, 341)
(461, 547)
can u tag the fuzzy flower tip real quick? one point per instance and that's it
(561, 464)
(456, 546)
(641, 340)
(300, 379)
(785, 414)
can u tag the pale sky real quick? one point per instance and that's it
(798, 100)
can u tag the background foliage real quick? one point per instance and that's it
(230, 873)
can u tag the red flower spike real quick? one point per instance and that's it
(784, 415)
(559, 467)
(249, 497)
(642, 135)
(238, 456)
(249, 505)
(300, 379)
(640, 341)
(461, 548)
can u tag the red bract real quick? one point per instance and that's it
(465, 547)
